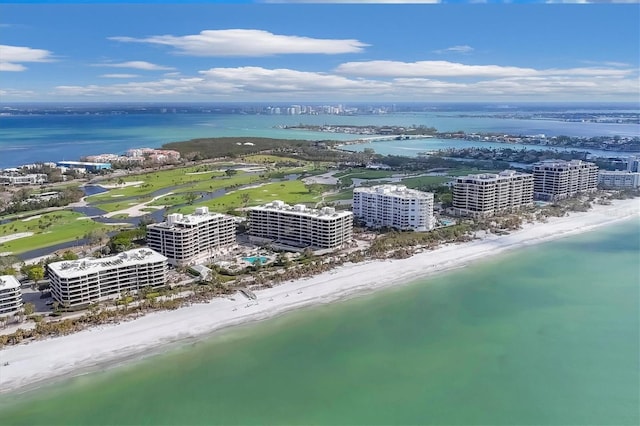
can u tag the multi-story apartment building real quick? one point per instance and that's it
(394, 206)
(485, 195)
(618, 179)
(10, 295)
(77, 283)
(558, 179)
(185, 239)
(300, 226)
(30, 179)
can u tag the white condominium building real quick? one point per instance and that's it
(10, 295)
(559, 179)
(300, 226)
(77, 283)
(484, 195)
(31, 179)
(185, 239)
(619, 179)
(394, 206)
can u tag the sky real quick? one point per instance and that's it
(215, 52)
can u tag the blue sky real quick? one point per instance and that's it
(319, 52)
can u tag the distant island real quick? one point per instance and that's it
(605, 143)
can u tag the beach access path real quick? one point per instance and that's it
(35, 363)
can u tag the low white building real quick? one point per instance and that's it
(185, 239)
(10, 295)
(619, 179)
(29, 179)
(78, 283)
(394, 206)
(299, 226)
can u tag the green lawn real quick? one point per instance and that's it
(156, 180)
(51, 228)
(291, 192)
(469, 171)
(347, 176)
(345, 194)
(120, 205)
(417, 182)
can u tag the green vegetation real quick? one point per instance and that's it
(25, 199)
(424, 181)
(291, 192)
(156, 180)
(49, 229)
(473, 171)
(346, 177)
(234, 147)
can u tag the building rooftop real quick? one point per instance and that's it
(302, 210)
(619, 172)
(486, 177)
(8, 282)
(562, 163)
(74, 268)
(400, 191)
(201, 214)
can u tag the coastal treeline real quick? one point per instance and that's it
(233, 147)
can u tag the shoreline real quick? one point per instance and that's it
(38, 363)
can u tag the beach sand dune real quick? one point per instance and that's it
(36, 362)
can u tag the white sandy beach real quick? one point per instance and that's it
(33, 363)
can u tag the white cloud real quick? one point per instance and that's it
(453, 69)
(609, 63)
(262, 84)
(242, 42)
(119, 75)
(12, 57)
(455, 49)
(17, 93)
(138, 65)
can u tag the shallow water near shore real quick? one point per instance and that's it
(547, 334)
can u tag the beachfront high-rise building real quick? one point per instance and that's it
(299, 226)
(558, 179)
(185, 239)
(618, 179)
(394, 206)
(483, 195)
(77, 283)
(10, 295)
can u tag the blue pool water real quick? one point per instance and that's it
(254, 259)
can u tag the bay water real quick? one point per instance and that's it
(33, 138)
(544, 335)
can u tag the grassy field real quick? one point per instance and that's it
(194, 180)
(469, 171)
(422, 181)
(291, 192)
(345, 194)
(157, 180)
(347, 176)
(49, 229)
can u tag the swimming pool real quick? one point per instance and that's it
(254, 259)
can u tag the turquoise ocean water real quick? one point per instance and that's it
(544, 335)
(26, 139)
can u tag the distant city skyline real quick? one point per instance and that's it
(319, 53)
